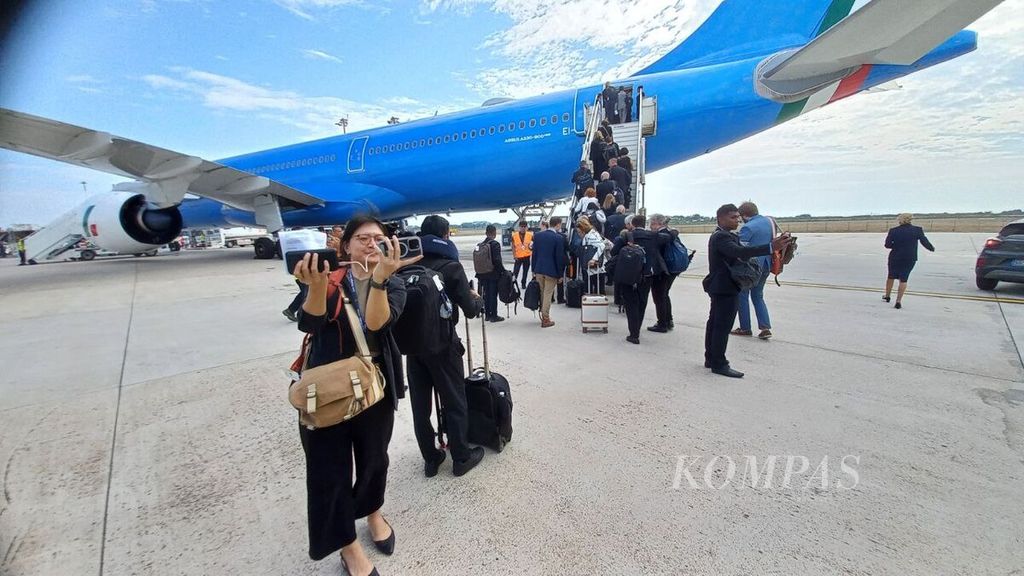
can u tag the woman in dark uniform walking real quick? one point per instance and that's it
(902, 244)
(359, 446)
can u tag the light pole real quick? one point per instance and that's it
(343, 122)
(83, 187)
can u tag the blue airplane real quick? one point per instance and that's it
(749, 67)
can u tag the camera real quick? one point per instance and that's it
(408, 246)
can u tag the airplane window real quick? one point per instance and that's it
(511, 126)
(472, 133)
(455, 137)
(543, 121)
(391, 148)
(522, 124)
(430, 141)
(565, 117)
(405, 146)
(554, 118)
(414, 144)
(422, 142)
(533, 122)
(490, 131)
(447, 139)
(463, 135)
(501, 128)
(371, 151)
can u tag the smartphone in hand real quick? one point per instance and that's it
(408, 246)
(326, 257)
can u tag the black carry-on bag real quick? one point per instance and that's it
(488, 398)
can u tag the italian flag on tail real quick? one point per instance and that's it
(848, 86)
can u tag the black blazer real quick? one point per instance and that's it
(724, 248)
(902, 241)
(332, 339)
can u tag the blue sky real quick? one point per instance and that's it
(218, 79)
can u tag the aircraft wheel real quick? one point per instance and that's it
(264, 248)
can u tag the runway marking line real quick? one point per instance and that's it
(967, 297)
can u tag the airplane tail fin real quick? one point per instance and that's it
(738, 29)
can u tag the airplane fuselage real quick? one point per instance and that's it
(522, 151)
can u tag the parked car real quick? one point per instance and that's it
(1002, 258)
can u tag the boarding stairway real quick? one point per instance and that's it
(56, 238)
(630, 135)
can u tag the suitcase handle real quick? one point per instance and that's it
(469, 347)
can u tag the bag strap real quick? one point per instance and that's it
(357, 330)
(350, 313)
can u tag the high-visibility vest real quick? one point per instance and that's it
(521, 246)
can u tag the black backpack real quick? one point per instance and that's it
(585, 180)
(508, 290)
(531, 299)
(629, 263)
(425, 326)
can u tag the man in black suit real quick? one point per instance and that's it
(634, 296)
(621, 177)
(605, 187)
(724, 248)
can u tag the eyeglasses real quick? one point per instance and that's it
(369, 238)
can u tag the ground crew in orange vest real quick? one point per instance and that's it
(522, 249)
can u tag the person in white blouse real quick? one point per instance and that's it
(591, 259)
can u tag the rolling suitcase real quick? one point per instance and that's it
(594, 313)
(489, 400)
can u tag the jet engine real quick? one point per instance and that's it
(122, 222)
(127, 223)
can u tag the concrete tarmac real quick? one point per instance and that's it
(145, 429)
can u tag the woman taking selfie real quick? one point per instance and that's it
(357, 447)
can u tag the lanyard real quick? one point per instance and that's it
(355, 300)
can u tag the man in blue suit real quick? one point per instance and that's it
(549, 262)
(757, 231)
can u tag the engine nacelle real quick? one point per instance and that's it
(127, 223)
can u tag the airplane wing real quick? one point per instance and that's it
(167, 175)
(895, 32)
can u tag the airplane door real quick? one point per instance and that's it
(356, 151)
(583, 105)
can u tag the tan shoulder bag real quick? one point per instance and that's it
(337, 392)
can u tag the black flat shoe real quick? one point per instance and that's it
(633, 339)
(727, 371)
(430, 467)
(898, 306)
(386, 546)
(885, 298)
(707, 364)
(658, 328)
(460, 467)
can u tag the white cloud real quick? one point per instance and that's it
(320, 55)
(312, 116)
(555, 44)
(306, 8)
